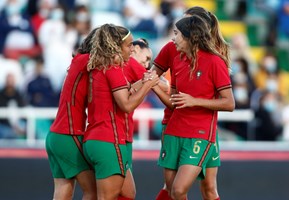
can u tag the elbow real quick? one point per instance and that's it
(231, 106)
(127, 108)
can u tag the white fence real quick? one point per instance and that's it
(144, 116)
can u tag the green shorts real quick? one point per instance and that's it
(177, 151)
(129, 154)
(215, 160)
(106, 158)
(65, 157)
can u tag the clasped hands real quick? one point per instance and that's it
(151, 76)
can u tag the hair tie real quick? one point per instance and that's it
(126, 36)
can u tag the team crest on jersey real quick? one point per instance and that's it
(199, 74)
(164, 154)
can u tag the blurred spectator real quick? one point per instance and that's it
(82, 23)
(240, 48)
(267, 117)
(16, 32)
(11, 98)
(39, 89)
(236, 10)
(41, 94)
(268, 66)
(241, 65)
(107, 5)
(57, 42)
(172, 10)
(68, 5)
(43, 9)
(241, 90)
(269, 8)
(147, 19)
(283, 19)
(271, 85)
(285, 122)
(243, 86)
(10, 66)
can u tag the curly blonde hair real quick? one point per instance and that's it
(106, 46)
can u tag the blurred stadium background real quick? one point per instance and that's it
(37, 38)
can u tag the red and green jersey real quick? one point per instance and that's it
(71, 115)
(133, 72)
(210, 76)
(164, 61)
(106, 121)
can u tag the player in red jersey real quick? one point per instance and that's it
(64, 141)
(162, 63)
(109, 101)
(134, 71)
(201, 86)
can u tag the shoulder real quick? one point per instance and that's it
(209, 57)
(171, 47)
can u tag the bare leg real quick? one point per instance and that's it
(128, 189)
(209, 184)
(109, 188)
(184, 179)
(86, 180)
(169, 179)
(63, 189)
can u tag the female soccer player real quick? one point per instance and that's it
(162, 63)
(64, 141)
(109, 102)
(134, 71)
(201, 86)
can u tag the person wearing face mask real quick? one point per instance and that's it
(241, 91)
(40, 12)
(271, 85)
(269, 66)
(267, 127)
(17, 37)
(57, 42)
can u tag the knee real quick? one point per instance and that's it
(89, 195)
(209, 186)
(130, 195)
(209, 190)
(178, 192)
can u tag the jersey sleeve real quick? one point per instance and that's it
(116, 78)
(134, 71)
(221, 77)
(164, 59)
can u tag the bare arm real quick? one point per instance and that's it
(164, 97)
(163, 83)
(226, 101)
(158, 70)
(129, 101)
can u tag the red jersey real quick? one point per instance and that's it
(106, 121)
(210, 76)
(71, 116)
(164, 61)
(133, 72)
